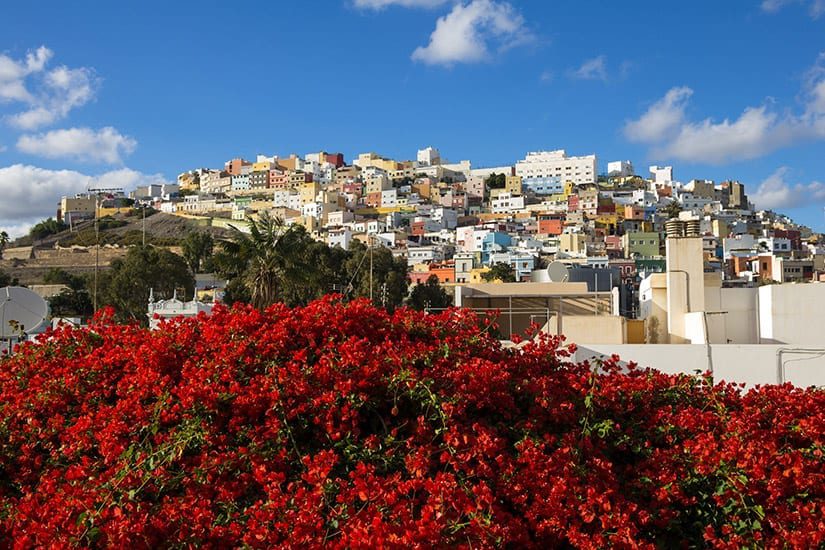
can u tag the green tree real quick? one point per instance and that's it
(500, 271)
(270, 261)
(672, 210)
(197, 248)
(496, 181)
(4, 242)
(389, 275)
(429, 295)
(49, 226)
(7, 280)
(57, 276)
(127, 284)
(324, 273)
(73, 301)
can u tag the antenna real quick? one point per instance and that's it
(557, 272)
(22, 312)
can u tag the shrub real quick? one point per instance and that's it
(346, 426)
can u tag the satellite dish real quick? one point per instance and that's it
(557, 272)
(22, 312)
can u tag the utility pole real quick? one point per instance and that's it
(144, 225)
(97, 250)
(369, 240)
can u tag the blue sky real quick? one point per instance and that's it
(130, 92)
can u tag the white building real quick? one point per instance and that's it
(506, 203)
(389, 198)
(549, 164)
(661, 175)
(424, 255)
(428, 157)
(170, 309)
(446, 217)
(339, 237)
(620, 169)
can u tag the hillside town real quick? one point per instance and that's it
(609, 257)
(455, 221)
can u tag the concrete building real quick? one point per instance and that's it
(661, 175)
(169, 309)
(640, 244)
(428, 157)
(547, 164)
(620, 169)
(559, 308)
(76, 208)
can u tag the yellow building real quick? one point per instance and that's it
(189, 181)
(476, 275)
(262, 166)
(80, 206)
(512, 185)
(572, 243)
(309, 191)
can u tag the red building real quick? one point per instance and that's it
(335, 158)
(444, 272)
(792, 235)
(551, 225)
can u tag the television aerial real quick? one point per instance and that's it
(557, 272)
(22, 312)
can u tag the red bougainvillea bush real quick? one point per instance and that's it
(345, 426)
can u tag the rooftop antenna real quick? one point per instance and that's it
(97, 249)
(557, 272)
(22, 312)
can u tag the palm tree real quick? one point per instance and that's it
(4, 241)
(272, 254)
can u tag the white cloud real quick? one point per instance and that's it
(381, 4)
(815, 7)
(83, 144)
(13, 74)
(662, 119)
(466, 34)
(776, 193)
(754, 133)
(48, 95)
(3, 148)
(547, 76)
(815, 88)
(592, 69)
(31, 193)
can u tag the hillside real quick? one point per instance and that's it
(73, 250)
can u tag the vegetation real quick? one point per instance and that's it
(279, 263)
(7, 280)
(197, 250)
(73, 301)
(500, 271)
(108, 222)
(126, 285)
(4, 242)
(389, 275)
(496, 181)
(344, 426)
(49, 226)
(673, 209)
(430, 295)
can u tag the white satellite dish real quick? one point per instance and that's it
(22, 312)
(557, 272)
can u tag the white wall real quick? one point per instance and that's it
(748, 364)
(792, 313)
